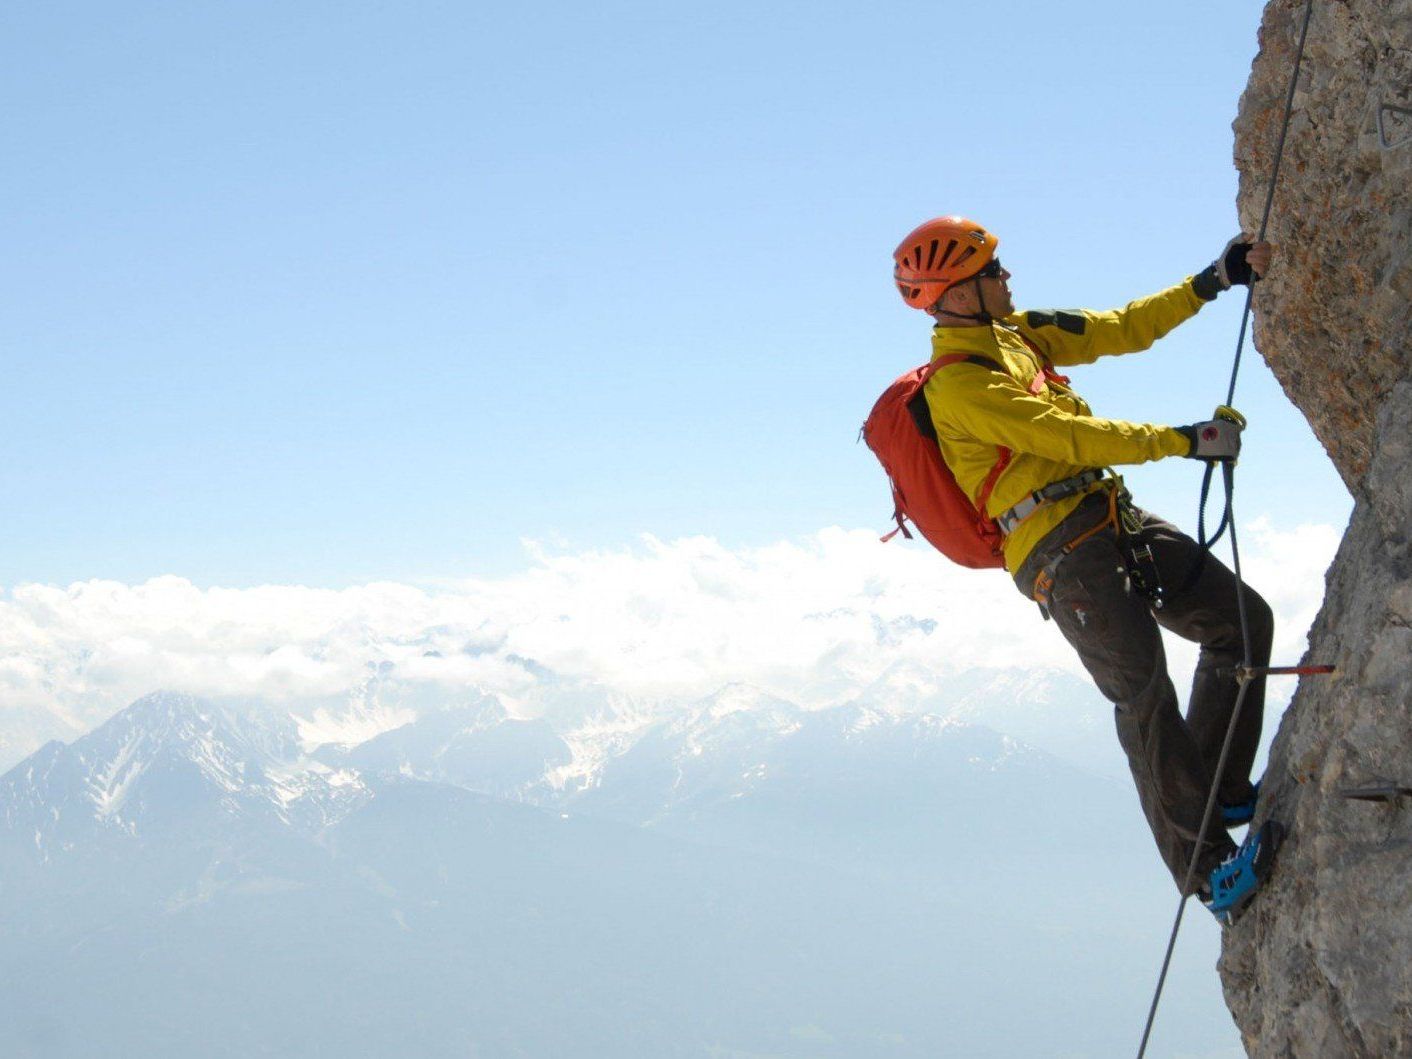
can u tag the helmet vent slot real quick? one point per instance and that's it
(937, 255)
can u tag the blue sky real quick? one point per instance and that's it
(325, 293)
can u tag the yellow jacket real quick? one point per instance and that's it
(1050, 432)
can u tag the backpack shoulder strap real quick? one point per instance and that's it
(1002, 454)
(1046, 366)
(949, 359)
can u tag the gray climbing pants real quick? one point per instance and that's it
(1115, 632)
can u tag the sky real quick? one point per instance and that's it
(325, 295)
(338, 334)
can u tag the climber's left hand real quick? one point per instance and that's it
(1243, 261)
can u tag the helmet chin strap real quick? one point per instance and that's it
(981, 317)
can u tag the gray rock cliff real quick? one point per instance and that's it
(1321, 966)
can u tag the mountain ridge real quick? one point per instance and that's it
(733, 878)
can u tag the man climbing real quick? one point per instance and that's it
(1026, 448)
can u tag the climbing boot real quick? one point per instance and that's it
(1233, 883)
(1242, 812)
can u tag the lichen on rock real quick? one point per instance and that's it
(1321, 964)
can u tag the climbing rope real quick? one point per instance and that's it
(1248, 671)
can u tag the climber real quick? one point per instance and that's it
(1027, 449)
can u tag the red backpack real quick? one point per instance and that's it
(899, 431)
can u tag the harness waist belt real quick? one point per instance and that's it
(1046, 495)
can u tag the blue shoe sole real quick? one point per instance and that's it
(1271, 837)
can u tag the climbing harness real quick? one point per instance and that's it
(1228, 524)
(1065, 487)
(1043, 586)
(1139, 563)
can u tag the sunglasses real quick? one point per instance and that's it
(992, 269)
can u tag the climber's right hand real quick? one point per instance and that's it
(1241, 262)
(1217, 439)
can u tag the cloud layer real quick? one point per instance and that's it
(813, 620)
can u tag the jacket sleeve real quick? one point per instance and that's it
(969, 401)
(1081, 336)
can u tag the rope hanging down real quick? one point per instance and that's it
(1228, 523)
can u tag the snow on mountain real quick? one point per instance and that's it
(166, 759)
(476, 745)
(731, 865)
(596, 740)
(169, 757)
(352, 726)
(1053, 709)
(645, 867)
(746, 769)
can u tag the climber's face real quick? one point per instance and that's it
(986, 291)
(994, 288)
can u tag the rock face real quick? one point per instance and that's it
(1321, 966)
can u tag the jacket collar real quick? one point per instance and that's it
(971, 340)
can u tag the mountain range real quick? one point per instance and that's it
(735, 877)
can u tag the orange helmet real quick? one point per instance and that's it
(939, 254)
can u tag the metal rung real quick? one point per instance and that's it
(1388, 793)
(1244, 673)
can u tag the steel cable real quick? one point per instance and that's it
(1228, 523)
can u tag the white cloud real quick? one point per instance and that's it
(813, 620)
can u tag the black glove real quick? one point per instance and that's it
(1217, 438)
(1228, 269)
